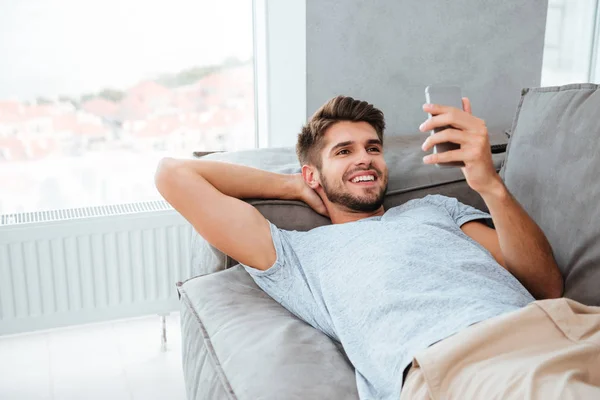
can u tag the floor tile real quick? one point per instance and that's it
(25, 367)
(151, 372)
(118, 360)
(160, 377)
(86, 364)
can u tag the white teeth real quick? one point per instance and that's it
(363, 178)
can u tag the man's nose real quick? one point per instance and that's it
(364, 158)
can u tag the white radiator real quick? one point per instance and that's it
(90, 264)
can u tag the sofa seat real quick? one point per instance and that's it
(238, 343)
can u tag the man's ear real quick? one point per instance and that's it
(311, 176)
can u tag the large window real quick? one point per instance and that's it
(571, 43)
(93, 93)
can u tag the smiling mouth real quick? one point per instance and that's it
(364, 180)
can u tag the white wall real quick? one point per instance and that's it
(280, 54)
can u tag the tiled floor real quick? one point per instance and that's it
(114, 360)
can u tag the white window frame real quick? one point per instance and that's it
(279, 29)
(594, 75)
(581, 42)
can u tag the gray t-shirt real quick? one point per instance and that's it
(387, 287)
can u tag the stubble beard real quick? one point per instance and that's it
(367, 203)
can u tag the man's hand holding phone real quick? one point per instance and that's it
(471, 134)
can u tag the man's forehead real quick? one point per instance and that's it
(345, 131)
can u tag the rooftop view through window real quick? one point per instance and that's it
(94, 93)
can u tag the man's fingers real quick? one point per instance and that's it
(315, 202)
(447, 135)
(320, 208)
(435, 109)
(447, 156)
(467, 105)
(452, 118)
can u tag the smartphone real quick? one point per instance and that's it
(445, 96)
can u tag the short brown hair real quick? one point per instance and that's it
(340, 108)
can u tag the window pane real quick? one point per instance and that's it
(568, 41)
(94, 93)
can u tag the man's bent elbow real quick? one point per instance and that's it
(164, 170)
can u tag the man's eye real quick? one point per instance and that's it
(375, 149)
(344, 152)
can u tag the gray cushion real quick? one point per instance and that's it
(552, 168)
(238, 343)
(409, 178)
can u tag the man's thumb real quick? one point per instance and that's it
(466, 104)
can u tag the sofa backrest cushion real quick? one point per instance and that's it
(409, 178)
(552, 168)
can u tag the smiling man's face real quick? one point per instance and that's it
(353, 172)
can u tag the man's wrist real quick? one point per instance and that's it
(292, 188)
(495, 191)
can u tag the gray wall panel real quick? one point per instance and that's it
(387, 52)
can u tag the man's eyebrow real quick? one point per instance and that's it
(349, 142)
(374, 141)
(341, 144)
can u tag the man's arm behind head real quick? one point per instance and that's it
(208, 193)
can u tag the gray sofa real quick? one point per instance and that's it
(238, 343)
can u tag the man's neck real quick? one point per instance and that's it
(342, 216)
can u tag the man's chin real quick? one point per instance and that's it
(365, 207)
(364, 203)
(357, 198)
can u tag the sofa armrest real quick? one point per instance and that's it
(239, 343)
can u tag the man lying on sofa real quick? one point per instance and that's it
(426, 300)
